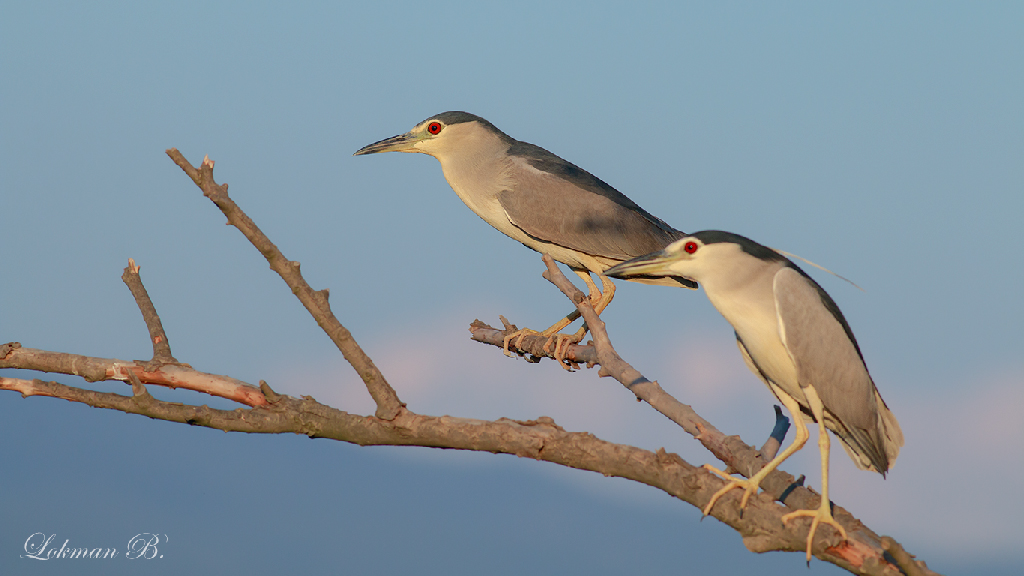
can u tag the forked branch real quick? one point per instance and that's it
(265, 411)
(316, 302)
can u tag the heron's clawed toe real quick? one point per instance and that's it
(558, 340)
(562, 343)
(749, 486)
(823, 515)
(518, 335)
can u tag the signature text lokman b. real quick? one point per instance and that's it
(143, 546)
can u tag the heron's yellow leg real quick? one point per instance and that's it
(604, 298)
(751, 485)
(824, 512)
(592, 292)
(599, 299)
(607, 293)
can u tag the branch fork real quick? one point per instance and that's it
(266, 411)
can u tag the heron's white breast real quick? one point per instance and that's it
(755, 320)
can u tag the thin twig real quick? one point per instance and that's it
(388, 404)
(170, 375)
(161, 346)
(532, 345)
(771, 446)
(138, 388)
(905, 560)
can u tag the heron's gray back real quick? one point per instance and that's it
(555, 201)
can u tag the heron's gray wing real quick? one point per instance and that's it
(555, 201)
(826, 358)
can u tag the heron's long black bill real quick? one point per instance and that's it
(653, 265)
(400, 143)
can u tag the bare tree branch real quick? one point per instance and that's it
(531, 345)
(902, 558)
(161, 347)
(541, 439)
(388, 404)
(722, 446)
(97, 369)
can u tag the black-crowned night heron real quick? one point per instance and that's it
(535, 197)
(793, 336)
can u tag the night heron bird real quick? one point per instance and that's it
(539, 199)
(793, 336)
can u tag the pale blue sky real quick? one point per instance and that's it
(883, 141)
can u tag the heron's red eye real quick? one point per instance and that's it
(690, 247)
(434, 127)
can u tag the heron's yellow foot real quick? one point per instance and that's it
(562, 343)
(822, 515)
(749, 486)
(519, 335)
